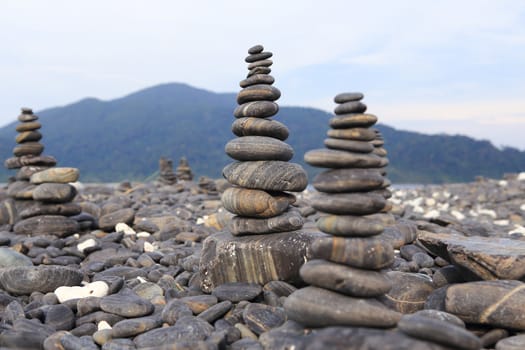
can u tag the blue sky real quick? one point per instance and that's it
(432, 66)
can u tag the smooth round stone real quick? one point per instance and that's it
(56, 225)
(185, 334)
(42, 278)
(60, 317)
(54, 193)
(20, 190)
(237, 291)
(109, 221)
(357, 134)
(516, 342)
(27, 117)
(253, 148)
(28, 148)
(350, 226)
(255, 49)
(148, 291)
(126, 305)
(438, 331)
(348, 97)
(199, 303)
(409, 291)
(261, 63)
(267, 175)
(345, 121)
(18, 162)
(175, 310)
(258, 92)
(329, 158)
(349, 145)
(133, 327)
(65, 209)
(442, 316)
(350, 107)
(289, 221)
(256, 109)
(259, 70)
(25, 172)
(348, 203)
(56, 175)
(317, 307)
(259, 56)
(260, 127)
(449, 274)
(28, 126)
(348, 180)
(28, 136)
(260, 318)
(255, 203)
(495, 335)
(216, 311)
(345, 279)
(366, 253)
(10, 257)
(257, 79)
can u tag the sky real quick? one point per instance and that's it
(455, 67)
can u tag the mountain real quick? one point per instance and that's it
(124, 139)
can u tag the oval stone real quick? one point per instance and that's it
(260, 127)
(348, 96)
(260, 63)
(27, 116)
(108, 222)
(65, 209)
(56, 175)
(267, 175)
(28, 148)
(28, 136)
(237, 291)
(409, 291)
(28, 126)
(516, 342)
(351, 226)
(348, 180)
(348, 203)
(256, 109)
(26, 172)
(127, 305)
(257, 56)
(344, 121)
(135, 326)
(255, 49)
(367, 253)
(259, 70)
(329, 158)
(258, 148)
(345, 279)
(42, 278)
(47, 225)
(54, 192)
(350, 107)
(257, 79)
(18, 162)
(260, 318)
(349, 145)
(289, 221)
(258, 92)
(357, 134)
(255, 203)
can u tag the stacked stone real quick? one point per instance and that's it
(380, 151)
(345, 274)
(183, 171)
(166, 174)
(261, 174)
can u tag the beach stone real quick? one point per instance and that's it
(56, 175)
(128, 305)
(175, 310)
(260, 318)
(267, 175)
(449, 274)
(351, 226)
(349, 145)
(367, 253)
(256, 109)
(345, 121)
(8, 211)
(260, 127)
(260, 63)
(187, 329)
(93, 289)
(18, 162)
(27, 116)
(28, 126)
(258, 92)
(257, 79)
(516, 342)
(256, 49)
(28, 136)
(442, 316)
(348, 203)
(350, 107)
(289, 221)
(54, 193)
(199, 303)
(438, 331)
(409, 291)
(316, 307)
(46, 224)
(345, 279)
(493, 336)
(108, 222)
(258, 57)
(330, 158)
(28, 149)
(254, 259)
(59, 317)
(348, 97)
(259, 70)
(237, 291)
(25, 172)
(38, 208)
(216, 311)
(135, 326)
(495, 303)
(20, 190)
(258, 148)
(42, 278)
(10, 257)
(487, 257)
(347, 180)
(357, 134)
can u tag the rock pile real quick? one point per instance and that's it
(166, 174)
(183, 171)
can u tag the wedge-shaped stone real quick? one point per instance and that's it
(258, 148)
(330, 158)
(289, 221)
(54, 192)
(366, 253)
(258, 92)
(348, 203)
(260, 127)
(357, 134)
(28, 148)
(42, 278)
(57, 175)
(256, 109)
(348, 180)
(316, 307)
(352, 121)
(349, 145)
(47, 225)
(351, 226)
(256, 203)
(267, 175)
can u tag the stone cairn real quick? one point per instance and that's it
(345, 275)
(261, 174)
(166, 174)
(41, 193)
(183, 171)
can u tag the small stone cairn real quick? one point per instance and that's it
(345, 274)
(166, 174)
(41, 193)
(183, 171)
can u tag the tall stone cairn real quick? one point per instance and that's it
(344, 274)
(261, 173)
(166, 174)
(183, 171)
(41, 194)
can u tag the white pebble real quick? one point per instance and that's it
(103, 325)
(518, 229)
(458, 215)
(94, 289)
(521, 176)
(443, 206)
(503, 183)
(122, 227)
(431, 214)
(501, 222)
(430, 202)
(418, 210)
(88, 243)
(141, 279)
(148, 247)
(522, 207)
(488, 212)
(446, 194)
(143, 234)
(201, 221)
